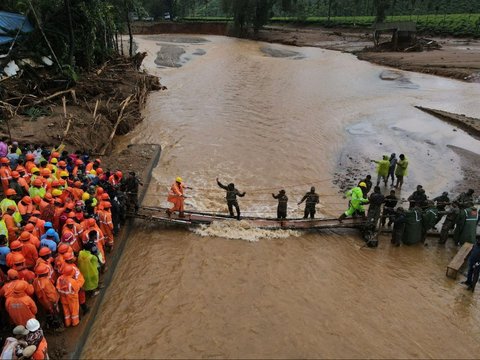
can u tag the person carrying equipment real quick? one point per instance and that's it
(177, 197)
(312, 200)
(231, 197)
(282, 204)
(356, 201)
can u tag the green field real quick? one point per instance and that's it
(450, 24)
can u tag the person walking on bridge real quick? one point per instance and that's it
(312, 200)
(231, 197)
(177, 197)
(356, 202)
(282, 204)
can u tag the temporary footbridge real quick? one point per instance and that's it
(193, 218)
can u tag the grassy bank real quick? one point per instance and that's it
(450, 24)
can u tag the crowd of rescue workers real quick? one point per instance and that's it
(60, 214)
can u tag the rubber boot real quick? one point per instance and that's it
(85, 308)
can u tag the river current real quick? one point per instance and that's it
(269, 117)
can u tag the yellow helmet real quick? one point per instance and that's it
(85, 196)
(362, 184)
(35, 169)
(63, 174)
(56, 192)
(54, 161)
(93, 172)
(178, 179)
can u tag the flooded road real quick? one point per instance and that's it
(269, 117)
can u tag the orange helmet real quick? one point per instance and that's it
(30, 157)
(77, 184)
(27, 200)
(70, 221)
(105, 196)
(68, 270)
(4, 160)
(15, 245)
(48, 197)
(55, 183)
(42, 269)
(10, 192)
(15, 174)
(106, 204)
(12, 207)
(55, 154)
(44, 251)
(62, 164)
(46, 172)
(78, 162)
(24, 236)
(37, 182)
(68, 256)
(118, 173)
(99, 171)
(12, 274)
(91, 222)
(63, 248)
(29, 227)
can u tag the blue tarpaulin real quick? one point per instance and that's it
(10, 23)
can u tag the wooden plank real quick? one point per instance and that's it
(458, 260)
(195, 218)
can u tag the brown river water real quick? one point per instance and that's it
(269, 117)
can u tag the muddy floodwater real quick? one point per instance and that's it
(269, 117)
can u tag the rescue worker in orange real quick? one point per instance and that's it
(12, 279)
(25, 208)
(45, 258)
(59, 259)
(36, 338)
(82, 296)
(68, 289)
(15, 185)
(116, 178)
(30, 163)
(30, 228)
(14, 254)
(45, 291)
(176, 196)
(93, 233)
(106, 224)
(71, 235)
(5, 173)
(29, 251)
(20, 306)
(23, 272)
(10, 222)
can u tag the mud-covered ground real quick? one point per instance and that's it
(458, 58)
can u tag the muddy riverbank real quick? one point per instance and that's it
(459, 58)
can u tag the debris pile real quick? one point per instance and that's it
(84, 111)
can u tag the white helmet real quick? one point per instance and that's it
(33, 325)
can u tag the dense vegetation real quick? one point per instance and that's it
(457, 17)
(83, 33)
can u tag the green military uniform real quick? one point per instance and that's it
(466, 226)
(413, 227)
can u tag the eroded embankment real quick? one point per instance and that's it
(44, 109)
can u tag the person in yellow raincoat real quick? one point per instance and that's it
(382, 169)
(176, 196)
(88, 266)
